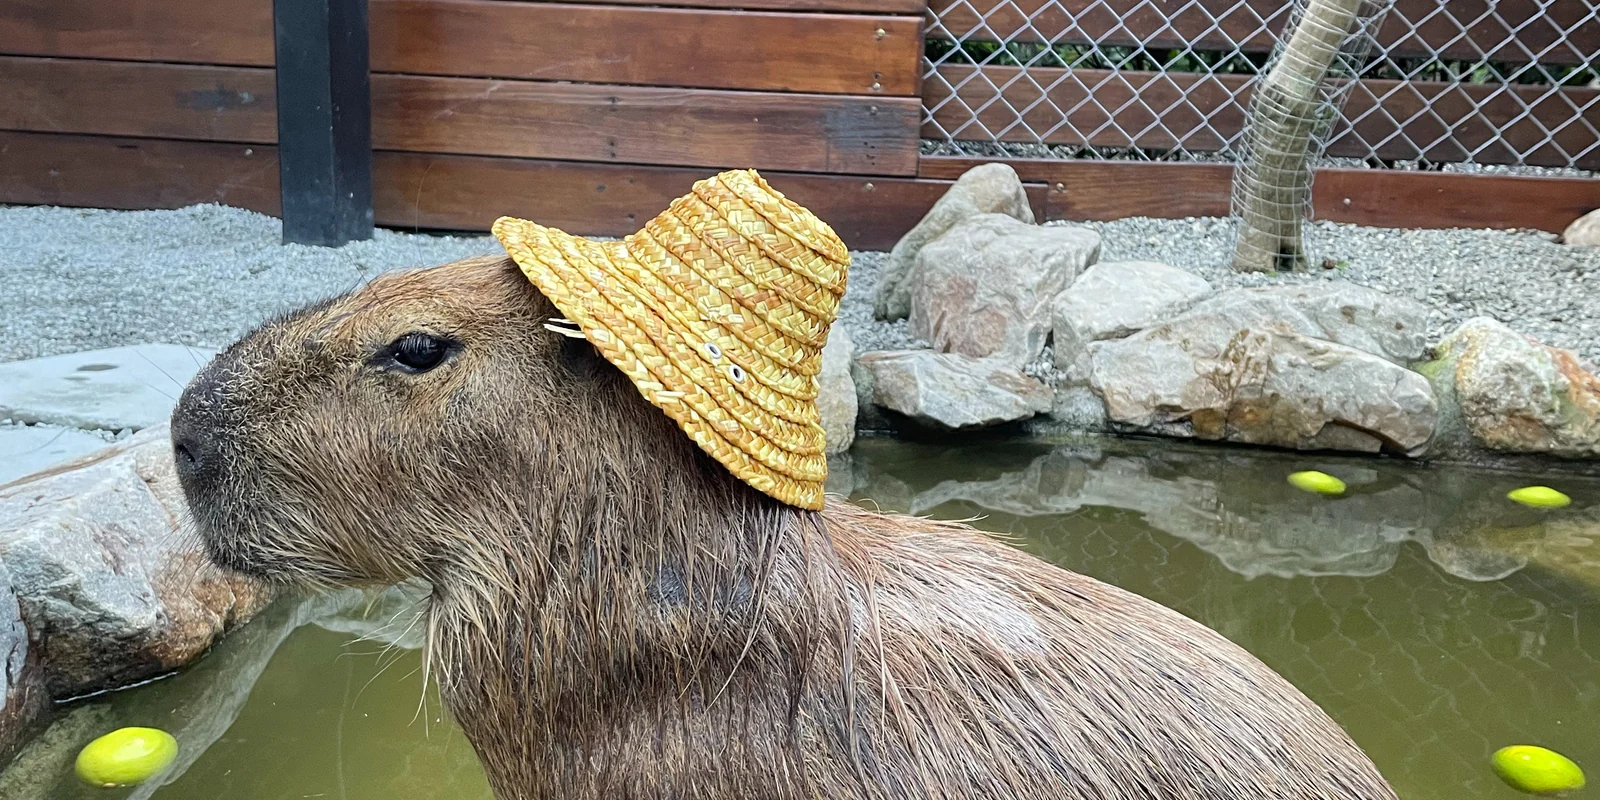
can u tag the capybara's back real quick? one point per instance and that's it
(991, 674)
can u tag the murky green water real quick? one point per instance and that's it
(1433, 618)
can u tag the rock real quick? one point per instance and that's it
(1345, 313)
(1078, 408)
(984, 288)
(23, 699)
(113, 589)
(26, 449)
(1508, 393)
(1115, 299)
(869, 417)
(986, 189)
(951, 390)
(1584, 231)
(1203, 376)
(836, 400)
(121, 388)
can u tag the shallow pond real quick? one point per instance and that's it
(1430, 616)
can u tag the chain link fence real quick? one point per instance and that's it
(1485, 82)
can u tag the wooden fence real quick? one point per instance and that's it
(589, 117)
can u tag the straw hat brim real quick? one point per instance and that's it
(717, 310)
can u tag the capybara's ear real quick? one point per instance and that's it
(579, 360)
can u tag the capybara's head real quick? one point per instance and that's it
(355, 440)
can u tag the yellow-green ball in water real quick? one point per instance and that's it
(1536, 770)
(1539, 497)
(126, 757)
(1319, 482)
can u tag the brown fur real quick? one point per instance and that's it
(614, 616)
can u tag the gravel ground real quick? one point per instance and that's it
(80, 279)
(83, 279)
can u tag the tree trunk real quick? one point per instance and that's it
(1272, 185)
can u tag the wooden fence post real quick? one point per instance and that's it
(324, 120)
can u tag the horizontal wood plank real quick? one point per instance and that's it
(420, 191)
(616, 124)
(1102, 190)
(647, 125)
(129, 98)
(120, 172)
(210, 32)
(704, 48)
(826, 53)
(1517, 31)
(428, 192)
(911, 7)
(1200, 113)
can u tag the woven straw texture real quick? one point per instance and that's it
(717, 310)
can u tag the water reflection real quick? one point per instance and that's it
(1433, 618)
(1237, 506)
(200, 704)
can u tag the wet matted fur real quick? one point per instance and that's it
(615, 616)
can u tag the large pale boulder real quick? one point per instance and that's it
(1206, 376)
(950, 390)
(1508, 393)
(26, 449)
(122, 388)
(986, 189)
(1114, 299)
(1355, 316)
(984, 288)
(1584, 231)
(112, 586)
(836, 398)
(22, 694)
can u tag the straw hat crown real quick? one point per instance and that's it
(717, 309)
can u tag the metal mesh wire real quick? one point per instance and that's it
(1510, 82)
(1293, 109)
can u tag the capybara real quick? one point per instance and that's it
(614, 615)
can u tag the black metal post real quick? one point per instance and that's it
(324, 120)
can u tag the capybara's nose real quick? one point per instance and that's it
(194, 448)
(195, 458)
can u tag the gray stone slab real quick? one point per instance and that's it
(26, 449)
(120, 388)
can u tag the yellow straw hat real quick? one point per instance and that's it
(717, 310)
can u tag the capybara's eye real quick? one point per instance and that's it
(419, 352)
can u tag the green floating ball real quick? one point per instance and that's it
(1319, 482)
(126, 757)
(1539, 497)
(1535, 770)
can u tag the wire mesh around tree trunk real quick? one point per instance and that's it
(1292, 110)
(1486, 82)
